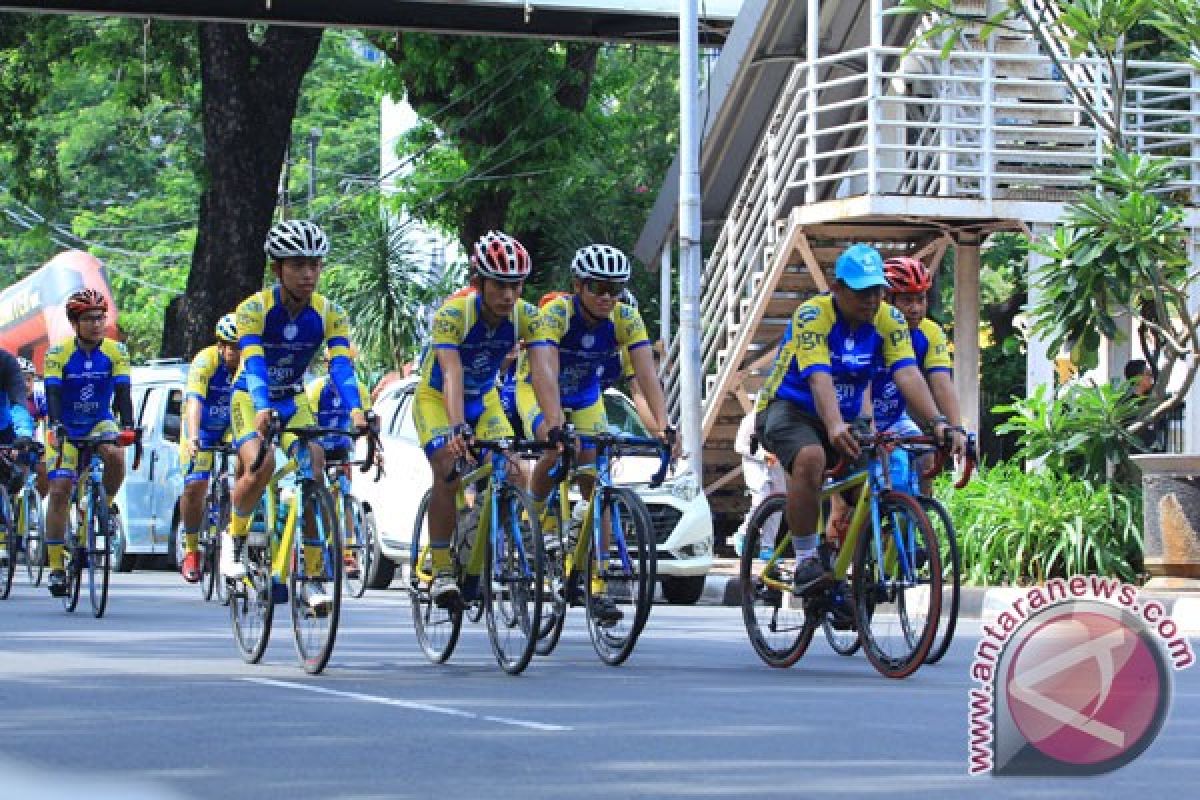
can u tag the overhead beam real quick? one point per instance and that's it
(588, 20)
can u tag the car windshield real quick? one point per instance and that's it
(622, 416)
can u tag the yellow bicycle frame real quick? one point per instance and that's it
(475, 562)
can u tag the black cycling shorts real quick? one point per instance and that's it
(785, 429)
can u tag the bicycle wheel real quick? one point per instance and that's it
(224, 517)
(837, 621)
(315, 628)
(617, 615)
(943, 527)
(779, 628)
(8, 529)
(99, 556)
(33, 534)
(437, 628)
(356, 555)
(74, 556)
(209, 542)
(251, 604)
(898, 587)
(554, 594)
(513, 581)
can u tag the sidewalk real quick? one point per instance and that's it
(976, 602)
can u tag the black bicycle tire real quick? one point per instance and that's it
(355, 516)
(257, 559)
(887, 666)
(10, 543)
(316, 497)
(421, 602)
(208, 551)
(99, 557)
(750, 587)
(950, 616)
(553, 623)
(614, 650)
(515, 501)
(35, 543)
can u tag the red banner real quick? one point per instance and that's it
(32, 313)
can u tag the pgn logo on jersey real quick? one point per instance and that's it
(87, 392)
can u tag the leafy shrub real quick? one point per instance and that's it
(1021, 527)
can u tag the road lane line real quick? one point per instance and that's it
(432, 709)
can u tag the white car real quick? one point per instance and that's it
(678, 508)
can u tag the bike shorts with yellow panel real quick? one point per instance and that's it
(200, 467)
(485, 416)
(589, 419)
(69, 465)
(293, 410)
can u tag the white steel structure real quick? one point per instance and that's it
(865, 140)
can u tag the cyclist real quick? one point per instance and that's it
(85, 376)
(280, 329)
(15, 419)
(579, 334)
(818, 385)
(205, 424)
(909, 283)
(457, 398)
(325, 399)
(35, 404)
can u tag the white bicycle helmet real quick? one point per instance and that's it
(500, 257)
(227, 329)
(296, 238)
(600, 261)
(628, 299)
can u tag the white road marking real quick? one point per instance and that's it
(432, 709)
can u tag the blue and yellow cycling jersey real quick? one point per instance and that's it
(459, 325)
(211, 383)
(617, 368)
(277, 348)
(933, 355)
(820, 340)
(585, 352)
(506, 385)
(87, 380)
(325, 400)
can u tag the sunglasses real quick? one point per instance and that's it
(610, 288)
(92, 319)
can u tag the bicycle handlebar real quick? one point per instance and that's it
(312, 432)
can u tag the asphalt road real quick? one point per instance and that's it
(153, 701)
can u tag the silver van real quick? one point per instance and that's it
(149, 497)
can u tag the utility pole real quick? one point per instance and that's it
(690, 257)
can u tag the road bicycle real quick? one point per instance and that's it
(613, 546)
(20, 514)
(888, 585)
(218, 509)
(293, 550)
(500, 573)
(89, 541)
(359, 532)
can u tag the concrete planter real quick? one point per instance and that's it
(1171, 514)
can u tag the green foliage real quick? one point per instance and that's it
(1113, 254)
(1018, 527)
(1077, 433)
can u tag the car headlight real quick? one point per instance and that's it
(685, 487)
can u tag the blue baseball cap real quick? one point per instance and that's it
(860, 267)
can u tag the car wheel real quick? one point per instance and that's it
(383, 569)
(122, 561)
(682, 590)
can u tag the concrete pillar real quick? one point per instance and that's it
(1039, 363)
(966, 328)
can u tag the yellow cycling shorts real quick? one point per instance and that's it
(433, 423)
(294, 412)
(588, 419)
(70, 456)
(199, 468)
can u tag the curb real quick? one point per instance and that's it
(982, 603)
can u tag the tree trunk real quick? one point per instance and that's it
(250, 87)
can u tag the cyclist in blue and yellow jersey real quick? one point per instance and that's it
(325, 399)
(909, 283)
(578, 335)
(15, 419)
(205, 424)
(35, 404)
(280, 329)
(457, 398)
(818, 386)
(85, 376)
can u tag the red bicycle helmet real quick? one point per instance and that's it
(500, 257)
(906, 274)
(85, 300)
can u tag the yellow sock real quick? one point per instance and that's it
(599, 586)
(191, 542)
(55, 554)
(314, 561)
(441, 558)
(239, 525)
